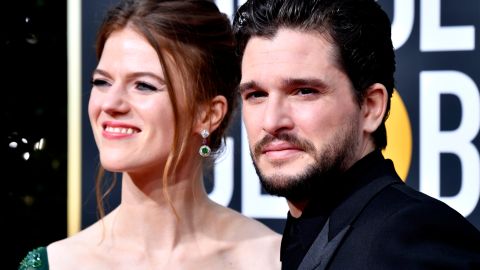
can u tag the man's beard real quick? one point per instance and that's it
(335, 157)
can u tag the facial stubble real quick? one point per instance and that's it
(329, 162)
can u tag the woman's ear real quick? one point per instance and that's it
(374, 107)
(211, 114)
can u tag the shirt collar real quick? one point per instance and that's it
(299, 233)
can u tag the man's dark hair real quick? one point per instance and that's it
(359, 29)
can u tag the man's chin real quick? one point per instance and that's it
(284, 168)
(286, 185)
(292, 181)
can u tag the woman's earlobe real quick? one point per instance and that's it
(218, 110)
(212, 113)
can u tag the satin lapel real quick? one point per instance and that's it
(346, 213)
(322, 250)
(313, 256)
(339, 223)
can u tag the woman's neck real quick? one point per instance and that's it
(148, 217)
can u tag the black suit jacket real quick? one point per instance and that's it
(388, 225)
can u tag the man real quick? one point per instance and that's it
(317, 77)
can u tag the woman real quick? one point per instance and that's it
(162, 96)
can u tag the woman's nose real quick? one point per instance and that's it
(115, 101)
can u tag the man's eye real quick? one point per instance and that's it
(99, 82)
(143, 86)
(305, 91)
(255, 95)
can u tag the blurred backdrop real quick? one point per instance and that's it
(33, 45)
(50, 159)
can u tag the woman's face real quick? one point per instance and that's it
(130, 110)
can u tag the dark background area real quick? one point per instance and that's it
(34, 108)
(33, 55)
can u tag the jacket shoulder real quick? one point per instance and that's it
(402, 228)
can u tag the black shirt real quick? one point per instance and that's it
(299, 233)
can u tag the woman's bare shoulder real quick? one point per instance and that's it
(254, 245)
(238, 225)
(74, 251)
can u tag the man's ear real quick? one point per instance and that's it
(374, 107)
(211, 114)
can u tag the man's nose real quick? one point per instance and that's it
(277, 116)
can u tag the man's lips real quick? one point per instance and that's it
(280, 150)
(282, 146)
(279, 146)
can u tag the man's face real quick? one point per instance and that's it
(302, 119)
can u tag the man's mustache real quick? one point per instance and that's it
(301, 144)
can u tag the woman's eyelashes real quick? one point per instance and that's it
(99, 82)
(144, 86)
(137, 85)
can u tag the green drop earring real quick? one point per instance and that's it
(204, 150)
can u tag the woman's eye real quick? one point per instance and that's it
(143, 86)
(99, 82)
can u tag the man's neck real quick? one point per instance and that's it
(296, 208)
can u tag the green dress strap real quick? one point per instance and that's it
(36, 259)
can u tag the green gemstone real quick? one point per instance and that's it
(204, 151)
(32, 260)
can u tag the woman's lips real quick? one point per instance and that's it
(118, 130)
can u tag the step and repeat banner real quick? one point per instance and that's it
(433, 129)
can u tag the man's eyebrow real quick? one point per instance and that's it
(286, 83)
(247, 85)
(306, 82)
